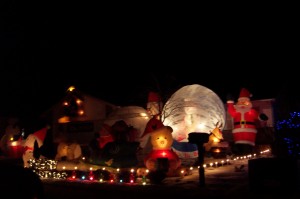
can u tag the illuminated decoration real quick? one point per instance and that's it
(154, 103)
(91, 175)
(112, 178)
(101, 177)
(244, 116)
(288, 130)
(49, 169)
(192, 108)
(64, 119)
(72, 104)
(12, 140)
(12, 145)
(46, 168)
(214, 138)
(154, 107)
(291, 123)
(74, 174)
(37, 137)
(131, 177)
(215, 145)
(142, 174)
(161, 140)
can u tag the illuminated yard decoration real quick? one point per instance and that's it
(244, 118)
(214, 138)
(291, 123)
(193, 108)
(161, 140)
(36, 137)
(288, 131)
(46, 168)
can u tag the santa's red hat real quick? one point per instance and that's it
(153, 97)
(41, 134)
(245, 93)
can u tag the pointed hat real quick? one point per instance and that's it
(41, 134)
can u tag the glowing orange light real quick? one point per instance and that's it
(64, 119)
(78, 101)
(80, 112)
(217, 150)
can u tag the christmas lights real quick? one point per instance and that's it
(290, 123)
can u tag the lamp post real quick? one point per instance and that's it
(199, 138)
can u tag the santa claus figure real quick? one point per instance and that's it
(244, 117)
(154, 107)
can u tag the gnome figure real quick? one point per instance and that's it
(244, 116)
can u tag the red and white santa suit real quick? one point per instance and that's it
(244, 116)
(154, 106)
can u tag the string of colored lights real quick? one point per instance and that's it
(47, 169)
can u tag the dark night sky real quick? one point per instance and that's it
(119, 57)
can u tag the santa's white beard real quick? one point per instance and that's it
(242, 108)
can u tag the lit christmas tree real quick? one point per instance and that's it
(73, 103)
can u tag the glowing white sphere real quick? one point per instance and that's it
(193, 108)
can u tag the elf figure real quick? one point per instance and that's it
(244, 116)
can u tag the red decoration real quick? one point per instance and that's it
(105, 136)
(244, 130)
(152, 125)
(162, 140)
